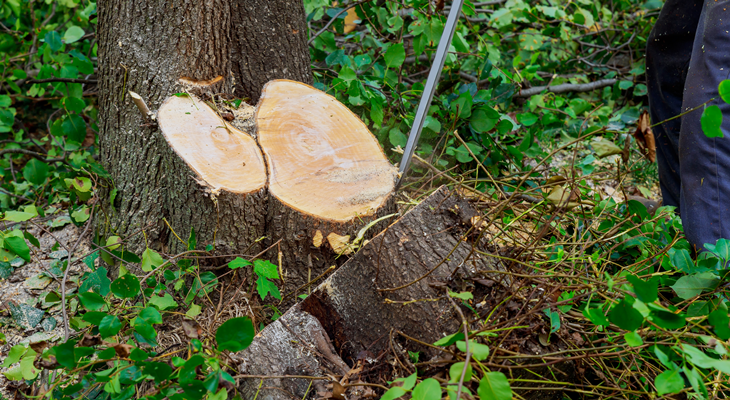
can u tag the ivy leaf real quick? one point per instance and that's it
(97, 281)
(461, 107)
(711, 122)
(92, 301)
(646, 291)
(265, 286)
(494, 386)
(151, 260)
(165, 302)
(625, 316)
(395, 55)
(65, 354)
(397, 138)
(235, 334)
(266, 269)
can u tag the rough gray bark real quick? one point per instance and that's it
(147, 47)
(295, 344)
(270, 43)
(354, 304)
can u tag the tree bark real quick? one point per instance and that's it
(157, 48)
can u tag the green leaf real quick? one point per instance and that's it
(92, 301)
(18, 216)
(94, 317)
(666, 319)
(462, 295)
(65, 354)
(669, 382)
(456, 370)
(720, 320)
(97, 281)
(73, 34)
(14, 355)
(633, 339)
(165, 302)
(409, 382)
(646, 291)
(395, 55)
(151, 315)
(480, 120)
(461, 107)
(494, 386)
(53, 39)
(145, 329)
(690, 286)
(235, 334)
(266, 269)
(5, 100)
(449, 340)
(74, 128)
(711, 122)
(625, 316)
(126, 286)
(265, 286)
(238, 262)
(682, 260)
(623, 85)
(554, 317)
(347, 74)
(18, 246)
(428, 389)
(192, 241)
(27, 369)
(157, 370)
(527, 119)
(35, 171)
(724, 90)
(397, 138)
(478, 351)
(151, 260)
(393, 393)
(109, 326)
(138, 355)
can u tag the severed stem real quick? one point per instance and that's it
(142, 106)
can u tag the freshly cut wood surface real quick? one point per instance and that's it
(322, 159)
(224, 157)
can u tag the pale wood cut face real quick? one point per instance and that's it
(225, 159)
(321, 157)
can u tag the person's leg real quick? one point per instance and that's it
(705, 162)
(668, 52)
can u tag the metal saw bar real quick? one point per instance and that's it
(433, 77)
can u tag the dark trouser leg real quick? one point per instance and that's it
(668, 52)
(705, 162)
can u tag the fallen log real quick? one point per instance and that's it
(391, 297)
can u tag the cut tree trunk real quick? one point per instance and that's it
(327, 176)
(156, 48)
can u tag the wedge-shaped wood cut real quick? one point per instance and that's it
(328, 177)
(222, 156)
(224, 196)
(322, 159)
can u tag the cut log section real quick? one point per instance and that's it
(328, 176)
(226, 197)
(395, 284)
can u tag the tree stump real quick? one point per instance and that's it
(309, 182)
(328, 177)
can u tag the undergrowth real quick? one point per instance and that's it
(614, 288)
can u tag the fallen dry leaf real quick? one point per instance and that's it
(645, 137)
